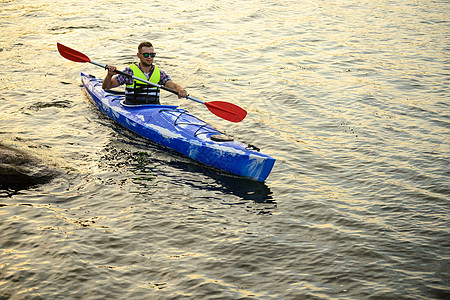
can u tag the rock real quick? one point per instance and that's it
(19, 170)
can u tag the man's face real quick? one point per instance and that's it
(146, 61)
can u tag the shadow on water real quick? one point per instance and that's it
(244, 188)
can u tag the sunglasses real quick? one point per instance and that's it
(146, 55)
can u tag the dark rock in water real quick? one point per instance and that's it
(19, 170)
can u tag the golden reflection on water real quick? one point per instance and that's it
(351, 97)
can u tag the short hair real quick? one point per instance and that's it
(144, 44)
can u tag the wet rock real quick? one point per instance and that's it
(19, 170)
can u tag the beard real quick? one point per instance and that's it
(145, 63)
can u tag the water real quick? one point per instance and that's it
(350, 97)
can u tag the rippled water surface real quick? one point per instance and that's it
(350, 97)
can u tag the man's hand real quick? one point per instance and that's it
(111, 71)
(109, 82)
(182, 93)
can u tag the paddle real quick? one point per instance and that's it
(224, 110)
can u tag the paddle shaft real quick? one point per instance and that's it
(222, 109)
(147, 82)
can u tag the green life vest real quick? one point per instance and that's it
(141, 93)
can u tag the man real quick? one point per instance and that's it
(138, 92)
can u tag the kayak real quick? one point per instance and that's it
(177, 129)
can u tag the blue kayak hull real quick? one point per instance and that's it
(182, 132)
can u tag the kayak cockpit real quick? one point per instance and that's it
(182, 119)
(152, 106)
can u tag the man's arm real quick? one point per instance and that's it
(110, 82)
(173, 86)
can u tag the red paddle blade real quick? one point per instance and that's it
(72, 54)
(226, 110)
